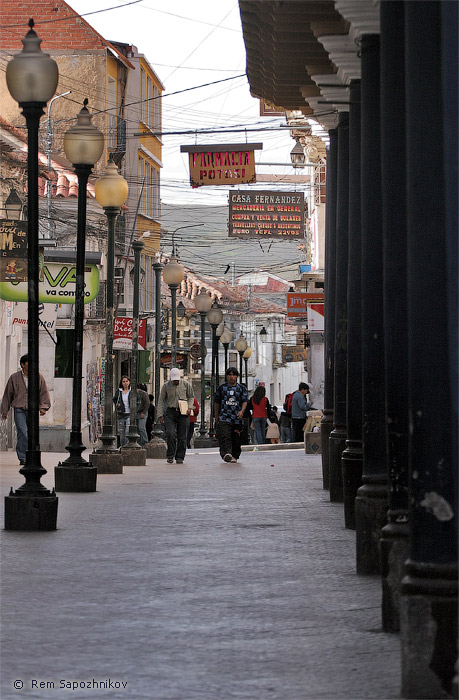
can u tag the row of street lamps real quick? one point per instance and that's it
(32, 78)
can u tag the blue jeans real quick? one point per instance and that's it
(123, 429)
(20, 419)
(142, 430)
(260, 430)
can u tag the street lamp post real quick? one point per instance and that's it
(156, 448)
(203, 303)
(214, 316)
(173, 275)
(241, 347)
(133, 454)
(32, 78)
(111, 192)
(225, 339)
(83, 146)
(218, 333)
(246, 355)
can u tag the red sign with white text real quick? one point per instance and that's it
(122, 333)
(297, 302)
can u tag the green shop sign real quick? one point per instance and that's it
(57, 285)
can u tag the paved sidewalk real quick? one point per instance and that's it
(201, 581)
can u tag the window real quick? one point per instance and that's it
(142, 94)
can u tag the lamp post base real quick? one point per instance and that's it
(204, 441)
(107, 462)
(31, 512)
(156, 448)
(134, 456)
(75, 479)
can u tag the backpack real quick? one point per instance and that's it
(287, 406)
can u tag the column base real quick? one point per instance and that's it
(107, 462)
(326, 426)
(156, 448)
(394, 551)
(134, 456)
(75, 479)
(428, 631)
(352, 466)
(37, 513)
(337, 445)
(370, 517)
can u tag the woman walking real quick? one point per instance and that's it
(123, 411)
(260, 408)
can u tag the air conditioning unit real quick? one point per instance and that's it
(119, 273)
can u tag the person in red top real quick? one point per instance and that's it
(260, 408)
(192, 424)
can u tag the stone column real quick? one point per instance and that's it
(428, 607)
(371, 501)
(352, 458)
(394, 536)
(338, 434)
(330, 281)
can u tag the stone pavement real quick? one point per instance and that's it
(201, 581)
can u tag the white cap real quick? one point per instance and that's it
(175, 374)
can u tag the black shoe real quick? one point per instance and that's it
(179, 461)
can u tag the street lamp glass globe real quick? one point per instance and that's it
(173, 272)
(111, 189)
(247, 353)
(220, 328)
(214, 315)
(83, 142)
(13, 205)
(203, 302)
(241, 344)
(32, 75)
(226, 337)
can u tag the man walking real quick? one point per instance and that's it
(300, 407)
(174, 407)
(230, 403)
(15, 396)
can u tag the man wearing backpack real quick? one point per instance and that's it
(300, 407)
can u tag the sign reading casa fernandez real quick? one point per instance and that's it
(268, 214)
(224, 164)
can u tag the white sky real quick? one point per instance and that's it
(189, 43)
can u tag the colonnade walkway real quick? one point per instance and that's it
(200, 581)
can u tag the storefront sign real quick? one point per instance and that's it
(297, 302)
(13, 250)
(166, 360)
(266, 214)
(47, 315)
(57, 285)
(294, 353)
(225, 164)
(122, 333)
(316, 314)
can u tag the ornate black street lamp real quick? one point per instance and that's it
(218, 333)
(173, 275)
(133, 453)
(32, 78)
(246, 356)
(225, 339)
(203, 303)
(241, 347)
(111, 193)
(214, 316)
(83, 146)
(156, 448)
(13, 205)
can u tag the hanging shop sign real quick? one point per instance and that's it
(316, 313)
(225, 164)
(266, 214)
(297, 302)
(13, 250)
(294, 353)
(122, 333)
(166, 360)
(47, 315)
(57, 285)
(195, 351)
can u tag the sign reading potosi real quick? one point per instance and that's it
(225, 164)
